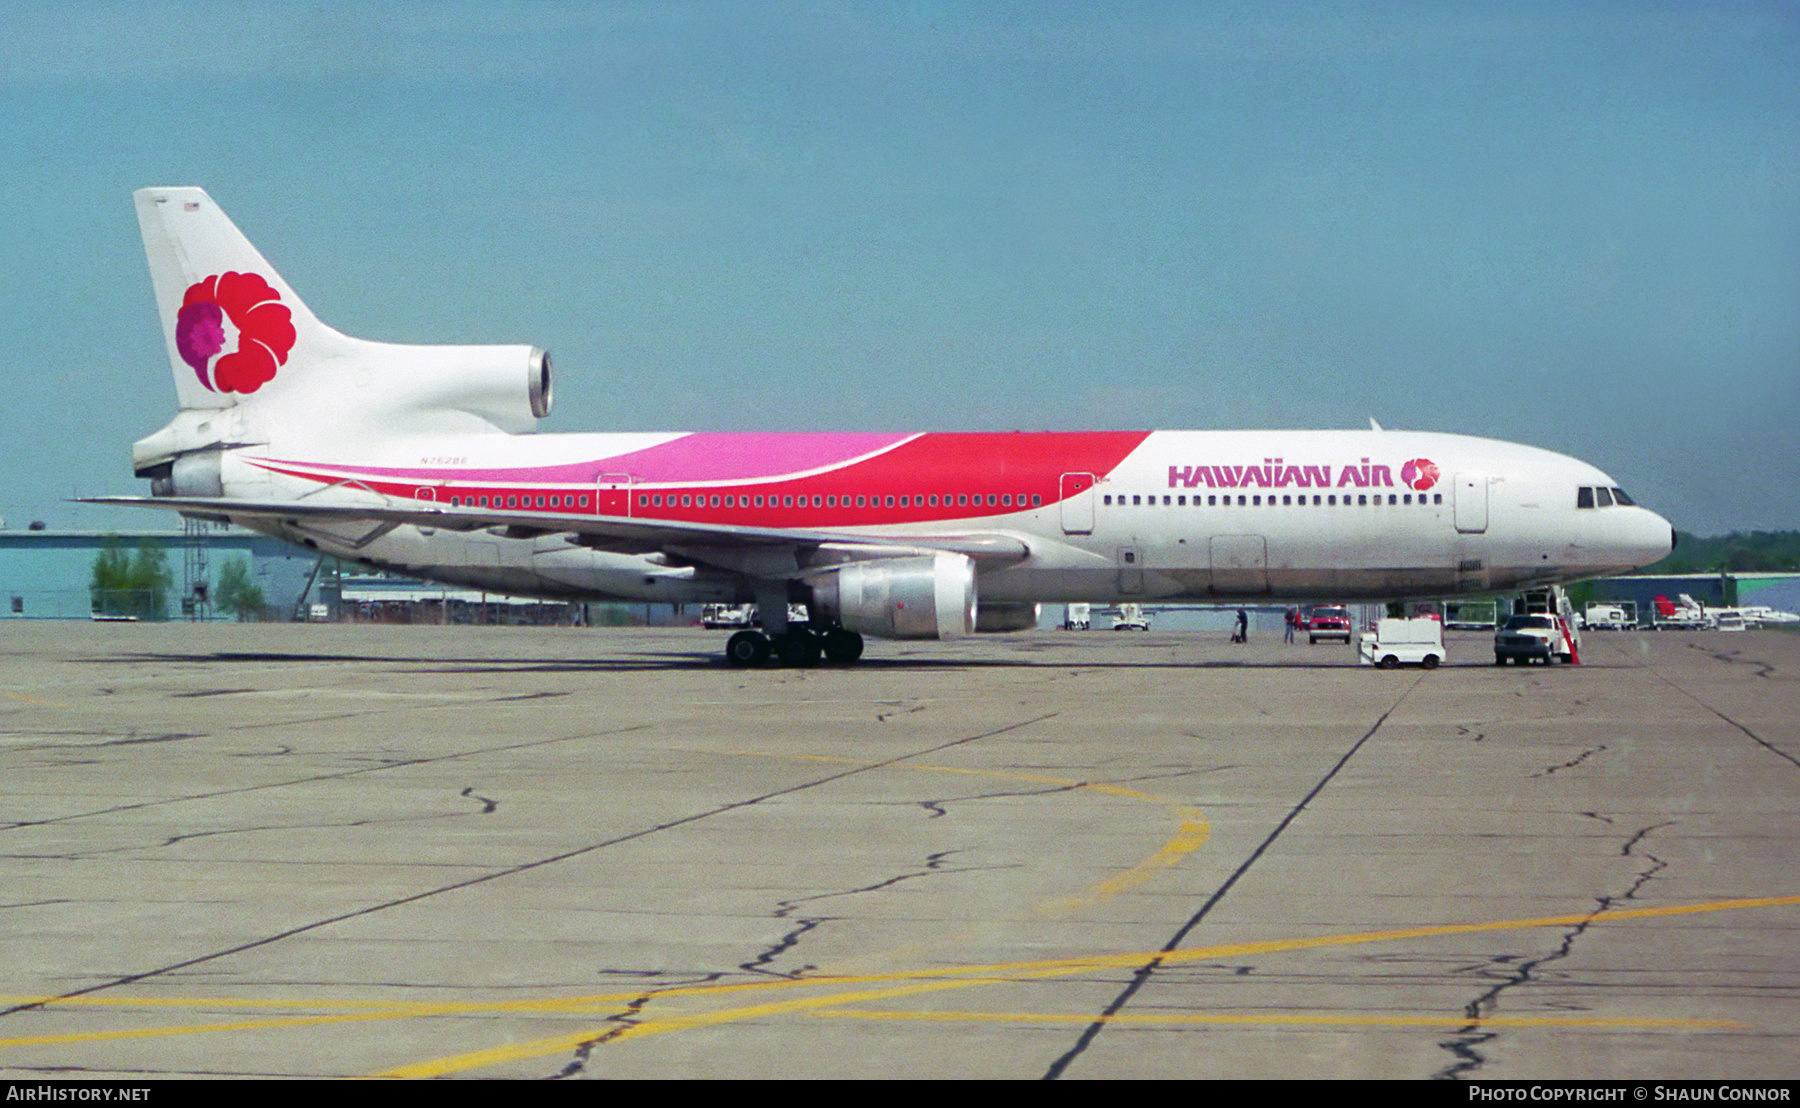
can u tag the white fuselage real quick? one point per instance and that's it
(1168, 516)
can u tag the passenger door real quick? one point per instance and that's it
(1471, 503)
(613, 494)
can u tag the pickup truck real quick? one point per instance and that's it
(1529, 638)
(1328, 623)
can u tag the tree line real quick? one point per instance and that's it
(1737, 552)
(136, 584)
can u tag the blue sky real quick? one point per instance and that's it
(1576, 226)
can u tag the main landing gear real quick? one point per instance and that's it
(798, 646)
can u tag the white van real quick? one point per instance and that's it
(1396, 642)
(1605, 617)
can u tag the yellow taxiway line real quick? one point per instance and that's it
(849, 991)
(960, 977)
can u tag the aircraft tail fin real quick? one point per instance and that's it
(230, 321)
(253, 364)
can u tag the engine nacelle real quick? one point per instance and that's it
(991, 618)
(197, 474)
(507, 386)
(927, 597)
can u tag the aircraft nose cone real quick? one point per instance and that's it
(1651, 541)
(1632, 538)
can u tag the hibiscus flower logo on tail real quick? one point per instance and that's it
(1419, 474)
(263, 325)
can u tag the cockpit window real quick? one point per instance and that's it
(1602, 497)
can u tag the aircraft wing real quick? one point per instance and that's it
(716, 544)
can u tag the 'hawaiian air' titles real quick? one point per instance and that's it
(1273, 473)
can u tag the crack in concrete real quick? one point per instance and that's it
(1764, 670)
(377, 766)
(936, 806)
(1572, 762)
(130, 738)
(934, 865)
(621, 1023)
(1467, 1041)
(168, 737)
(253, 829)
(762, 963)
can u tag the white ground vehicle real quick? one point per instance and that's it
(1688, 615)
(1606, 617)
(1536, 636)
(1076, 617)
(1398, 642)
(719, 617)
(1131, 617)
(716, 617)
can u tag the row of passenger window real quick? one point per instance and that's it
(550, 501)
(960, 500)
(1587, 499)
(731, 500)
(1255, 500)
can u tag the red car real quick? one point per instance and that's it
(1328, 623)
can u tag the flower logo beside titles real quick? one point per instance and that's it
(1419, 474)
(263, 325)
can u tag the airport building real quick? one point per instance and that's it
(48, 574)
(1714, 590)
